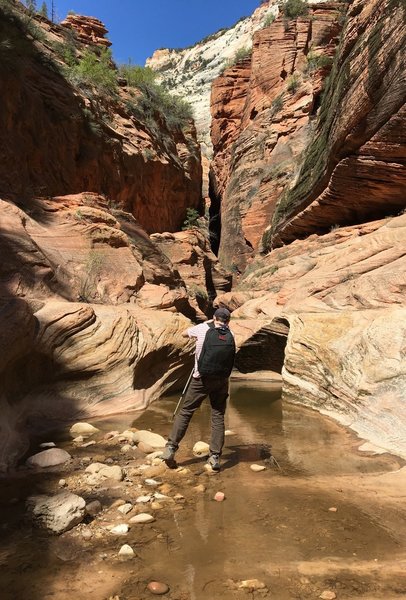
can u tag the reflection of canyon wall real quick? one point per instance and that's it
(262, 110)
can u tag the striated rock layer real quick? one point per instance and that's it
(329, 312)
(354, 169)
(262, 111)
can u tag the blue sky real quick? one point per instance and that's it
(138, 27)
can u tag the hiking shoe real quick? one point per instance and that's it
(214, 462)
(168, 455)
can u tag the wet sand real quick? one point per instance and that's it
(325, 518)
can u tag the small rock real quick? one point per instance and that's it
(47, 445)
(200, 488)
(156, 505)
(178, 497)
(201, 449)
(142, 518)
(128, 435)
(118, 502)
(126, 551)
(87, 444)
(158, 588)
(183, 471)
(333, 509)
(126, 448)
(159, 496)
(86, 534)
(49, 458)
(148, 437)
(153, 482)
(120, 529)
(165, 488)
(110, 435)
(251, 584)
(219, 496)
(125, 508)
(57, 513)
(79, 439)
(93, 508)
(229, 432)
(257, 468)
(143, 499)
(327, 595)
(145, 448)
(62, 483)
(84, 429)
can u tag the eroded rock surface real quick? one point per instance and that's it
(330, 313)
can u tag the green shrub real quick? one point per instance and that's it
(295, 8)
(191, 220)
(137, 75)
(155, 103)
(269, 20)
(293, 83)
(277, 104)
(317, 61)
(94, 70)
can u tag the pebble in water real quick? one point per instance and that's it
(219, 496)
(158, 588)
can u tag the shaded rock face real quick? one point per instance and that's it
(78, 336)
(262, 111)
(55, 140)
(342, 298)
(354, 169)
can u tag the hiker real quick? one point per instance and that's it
(214, 359)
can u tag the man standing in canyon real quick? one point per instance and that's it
(214, 359)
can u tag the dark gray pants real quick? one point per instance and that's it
(216, 388)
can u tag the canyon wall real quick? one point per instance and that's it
(354, 169)
(263, 109)
(297, 155)
(60, 137)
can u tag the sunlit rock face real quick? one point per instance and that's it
(189, 252)
(354, 168)
(262, 111)
(88, 29)
(189, 72)
(57, 138)
(343, 296)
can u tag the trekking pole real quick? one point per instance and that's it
(183, 393)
